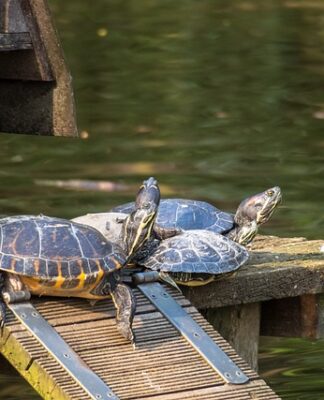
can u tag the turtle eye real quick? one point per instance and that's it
(270, 192)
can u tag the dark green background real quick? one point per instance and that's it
(217, 99)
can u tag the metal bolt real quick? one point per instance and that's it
(227, 375)
(98, 396)
(66, 355)
(35, 314)
(196, 334)
(23, 315)
(238, 373)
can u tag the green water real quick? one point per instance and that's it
(217, 99)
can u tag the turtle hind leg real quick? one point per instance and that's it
(125, 303)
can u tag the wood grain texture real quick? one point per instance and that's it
(278, 268)
(36, 95)
(163, 365)
(240, 325)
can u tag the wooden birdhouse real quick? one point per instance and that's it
(36, 95)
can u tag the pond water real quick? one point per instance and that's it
(217, 99)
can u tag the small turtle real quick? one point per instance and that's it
(52, 256)
(192, 257)
(195, 257)
(133, 232)
(175, 215)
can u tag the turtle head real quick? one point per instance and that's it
(137, 227)
(259, 207)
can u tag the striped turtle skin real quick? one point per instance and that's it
(55, 256)
(196, 257)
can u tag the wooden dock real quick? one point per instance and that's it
(163, 365)
(278, 293)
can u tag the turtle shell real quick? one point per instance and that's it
(56, 252)
(188, 214)
(197, 251)
(109, 224)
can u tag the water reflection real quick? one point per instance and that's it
(217, 99)
(299, 375)
(12, 386)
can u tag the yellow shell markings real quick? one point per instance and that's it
(36, 265)
(194, 283)
(59, 279)
(82, 277)
(35, 286)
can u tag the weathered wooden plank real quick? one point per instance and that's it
(36, 94)
(278, 268)
(15, 41)
(11, 17)
(162, 363)
(253, 390)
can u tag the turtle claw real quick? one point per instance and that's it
(125, 304)
(167, 279)
(125, 330)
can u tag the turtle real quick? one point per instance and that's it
(176, 215)
(132, 231)
(192, 257)
(195, 258)
(189, 257)
(52, 256)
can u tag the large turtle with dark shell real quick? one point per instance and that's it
(52, 256)
(192, 257)
(175, 215)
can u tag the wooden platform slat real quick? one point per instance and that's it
(163, 365)
(278, 268)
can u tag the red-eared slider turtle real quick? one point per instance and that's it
(195, 257)
(190, 257)
(52, 256)
(175, 215)
(132, 231)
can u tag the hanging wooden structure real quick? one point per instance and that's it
(36, 95)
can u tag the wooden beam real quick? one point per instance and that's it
(301, 316)
(278, 268)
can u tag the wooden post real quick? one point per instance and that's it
(240, 326)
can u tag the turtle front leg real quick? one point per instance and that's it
(14, 290)
(165, 233)
(125, 303)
